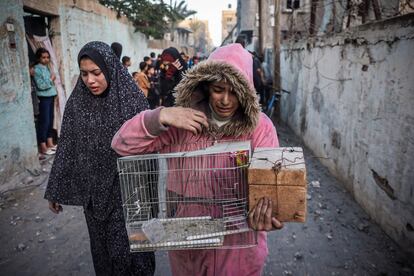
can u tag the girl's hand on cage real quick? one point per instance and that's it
(55, 207)
(184, 118)
(260, 217)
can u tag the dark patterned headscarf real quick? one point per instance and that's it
(84, 171)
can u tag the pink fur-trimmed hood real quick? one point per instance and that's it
(233, 64)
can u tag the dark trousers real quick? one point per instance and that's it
(110, 247)
(45, 119)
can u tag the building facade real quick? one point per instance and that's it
(201, 42)
(228, 22)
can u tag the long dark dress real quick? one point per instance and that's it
(84, 171)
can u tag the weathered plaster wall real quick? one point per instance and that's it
(42, 6)
(18, 150)
(73, 24)
(352, 101)
(87, 21)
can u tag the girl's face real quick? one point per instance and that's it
(223, 99)
(92, 77)
(44, 58)
(151, 71)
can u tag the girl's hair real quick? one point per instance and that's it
(203, 87)
(39, 53)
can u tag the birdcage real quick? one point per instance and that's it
(192, 199)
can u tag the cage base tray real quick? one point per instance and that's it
(200, 232)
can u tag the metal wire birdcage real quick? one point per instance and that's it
(191, 199)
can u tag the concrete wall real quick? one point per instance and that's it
(352, 101)
(87, 21)
(18, 150)
(73, 24)
(246, 15)
(42, 6)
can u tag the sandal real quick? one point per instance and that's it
(49, 152)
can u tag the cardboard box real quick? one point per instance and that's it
(280, 174)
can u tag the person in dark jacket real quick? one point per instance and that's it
(172, 69)
(153, 94)
(117, 48)
(84, 172)
(257, 71)
(258, 77)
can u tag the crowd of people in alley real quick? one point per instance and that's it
(162, 103)
(158, 75)
(155, 75)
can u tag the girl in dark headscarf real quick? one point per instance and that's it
(173, 66)
(84, 171)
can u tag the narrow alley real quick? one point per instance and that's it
(338, 237)
(83, 82)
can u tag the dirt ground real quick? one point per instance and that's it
(338, 237)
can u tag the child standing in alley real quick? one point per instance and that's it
(46, 93)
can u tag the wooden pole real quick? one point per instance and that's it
(276, 47)
(348, 9)
(377, 10)
(365, 11)
(312, 18)
(259, 7)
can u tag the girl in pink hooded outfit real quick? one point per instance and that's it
(214, 101)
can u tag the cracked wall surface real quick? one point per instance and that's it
(352, 101)
(18, 150)
(73, 24)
